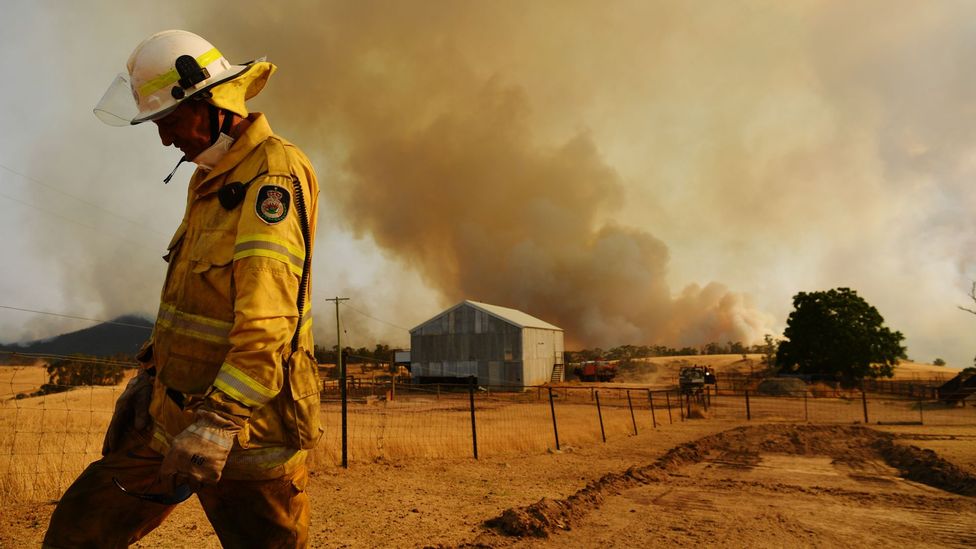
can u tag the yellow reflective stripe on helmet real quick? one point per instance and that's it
(241, 387)
(195, 326)
(252, 245)
(171, 76)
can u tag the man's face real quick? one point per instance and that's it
(187, 128)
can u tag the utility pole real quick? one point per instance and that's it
(341, 366)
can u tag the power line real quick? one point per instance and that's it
(73, 197)
(76, 222)
(376, 319)
(112, 322)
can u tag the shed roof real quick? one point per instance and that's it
(512, 316)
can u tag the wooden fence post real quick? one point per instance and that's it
(748, 410)
(864, 401)
(474, 427)
(650, 398)
(632, 418)
(603, 433)
(667, 397)
(552, 408)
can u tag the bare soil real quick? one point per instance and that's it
(711, 483)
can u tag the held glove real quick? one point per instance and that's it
(199, 453)
(131, 411)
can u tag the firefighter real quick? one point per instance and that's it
(225, 403)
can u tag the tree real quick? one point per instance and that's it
(80, 370)
(768, 350)
(837, 333)
(939, 362)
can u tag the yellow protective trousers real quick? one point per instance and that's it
(244, 513)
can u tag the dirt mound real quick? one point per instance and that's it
(782, 386)
(743, 445)
(927, 467)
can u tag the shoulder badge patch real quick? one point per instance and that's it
(272, 204)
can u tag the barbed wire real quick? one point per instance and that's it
(73, 358)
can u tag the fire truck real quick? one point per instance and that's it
(596, 370)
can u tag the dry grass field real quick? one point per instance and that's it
(412, 480)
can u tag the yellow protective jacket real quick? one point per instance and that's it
(229, 306)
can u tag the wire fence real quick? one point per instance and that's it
(46, 440)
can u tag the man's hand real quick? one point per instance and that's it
(198, 454)
(131, 411)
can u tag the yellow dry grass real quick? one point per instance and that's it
(16, 380)
(666, 368)
(45, 442)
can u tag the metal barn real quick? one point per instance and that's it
(499, 346)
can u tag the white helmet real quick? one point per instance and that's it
(164, 70)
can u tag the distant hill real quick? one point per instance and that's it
(122, 335)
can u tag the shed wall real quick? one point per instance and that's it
(467, 341)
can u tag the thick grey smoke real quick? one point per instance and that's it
(443, 164)
(630, 170)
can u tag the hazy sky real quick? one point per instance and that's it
(636, 172)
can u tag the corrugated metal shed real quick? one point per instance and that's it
(498, 345)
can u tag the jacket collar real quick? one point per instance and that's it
(208, 182)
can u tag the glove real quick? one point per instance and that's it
(199, 453)
(131, 411)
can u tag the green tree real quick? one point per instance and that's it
(768, 350)
(80, 370)
(839, 334)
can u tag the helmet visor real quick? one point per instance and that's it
(117, 106)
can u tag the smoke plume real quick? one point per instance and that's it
(631, 171)
(444, 163)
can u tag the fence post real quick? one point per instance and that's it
(681, 407)
(688, 401)
(596, 395)
(864, 401)
(344, 392)
(748, 411)
(921, 420)
(667, 397)
(552, 408)
(806, 411)
(632, 418)
(474, 428)
(650, 398)
(708, 397)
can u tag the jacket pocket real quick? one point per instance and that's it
(174, 243)
(299, 402)
(213, 248)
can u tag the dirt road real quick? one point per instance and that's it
(709, 483)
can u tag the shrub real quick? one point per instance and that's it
(782, 386)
